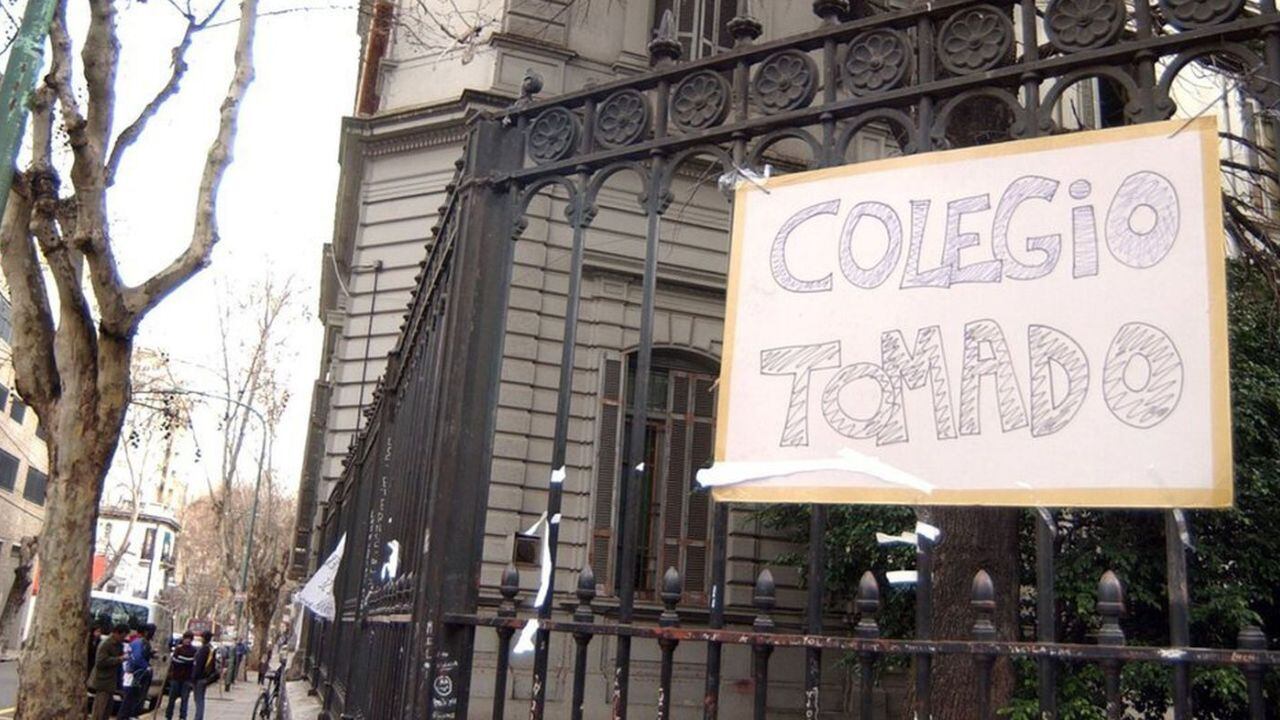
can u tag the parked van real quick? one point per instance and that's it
(135, 612)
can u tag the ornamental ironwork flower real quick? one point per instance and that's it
(975, 39)
(1081, 24)
(700, 101)
(786, 81)
(1193, 13)
(552, 134)
(875, 61)
(622, 118)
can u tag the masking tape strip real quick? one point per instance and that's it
(729, 473)
(905, 538)
(928, 531)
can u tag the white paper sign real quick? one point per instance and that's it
(317, 594)
(1030, 323)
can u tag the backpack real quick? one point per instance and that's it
(212, 671)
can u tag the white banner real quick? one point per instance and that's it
(317, 594)
(1039, 322)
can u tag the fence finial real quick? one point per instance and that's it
(664, 49)
(744, 28)
(764, 600)
(830, 10)
(530, 86)
(509, 587)
(983, 603)
(1251, 637)
(1110, 607)
(586, 592)
(672, 587)
(868, 606)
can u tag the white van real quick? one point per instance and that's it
(133, 611)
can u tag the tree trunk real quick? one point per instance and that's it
(21, 583)
(85, 424)
(972, 539)
(51, 688)
(261, 641)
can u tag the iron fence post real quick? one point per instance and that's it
(454, 548)
(1175, 536)
(1046, 612)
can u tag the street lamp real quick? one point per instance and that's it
(253, 513)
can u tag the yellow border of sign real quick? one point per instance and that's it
(1221, 492)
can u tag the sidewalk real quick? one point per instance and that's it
(220, 705)
(301, 705)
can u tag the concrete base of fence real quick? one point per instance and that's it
(299, 704)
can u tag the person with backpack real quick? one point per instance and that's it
(137, 671)
(205, 671)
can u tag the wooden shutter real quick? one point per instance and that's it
(675, 484)
(607, 466)
(701, 449)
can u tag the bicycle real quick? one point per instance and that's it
(265, 707)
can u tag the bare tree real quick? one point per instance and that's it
(206, 590)
(73, 365)
(159, 416)
(253, 391)
(200, 593)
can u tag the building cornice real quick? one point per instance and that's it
(513, 41)
(114, 512)
(396, 131)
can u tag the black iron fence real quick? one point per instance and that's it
(403, 642)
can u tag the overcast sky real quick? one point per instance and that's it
(276, 203)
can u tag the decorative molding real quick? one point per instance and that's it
(704, 281)
(514, 41)
(452, 134)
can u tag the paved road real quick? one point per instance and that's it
(8, 688)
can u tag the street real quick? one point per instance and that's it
(8, 688)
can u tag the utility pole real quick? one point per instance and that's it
(25, 59)
(257, 488)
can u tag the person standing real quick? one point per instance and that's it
(106, 671)
(239, 670)
(137, 672)
(96, 633)
(181, 667)
(204, 671)
(264, 663)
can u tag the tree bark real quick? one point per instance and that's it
(972, 539)
(21, 583)
(50, 689)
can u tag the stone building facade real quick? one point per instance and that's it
(398, 156)
(23, 478)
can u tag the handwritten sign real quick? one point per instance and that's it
(1031, 323)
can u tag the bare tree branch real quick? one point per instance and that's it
(75, 332)
(205, 232)
(33, 356)
(130, 135)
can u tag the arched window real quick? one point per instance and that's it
(679, 440)
(701, 25)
